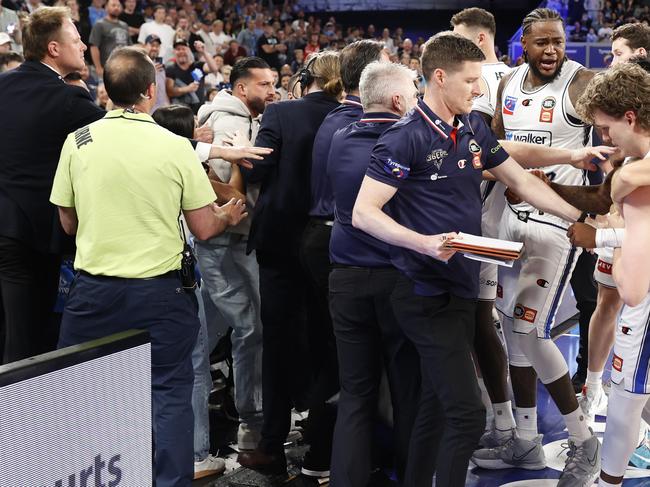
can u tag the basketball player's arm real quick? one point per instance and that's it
(592, 199)
(368, 216)
(633, 175)
(534, 190)
(579, 83)
(535, 155)
(497, 120)
(631, 269)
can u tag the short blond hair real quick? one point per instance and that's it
(621, 88)
(43, 26)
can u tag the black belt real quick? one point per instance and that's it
(167, 275)
(322, 221)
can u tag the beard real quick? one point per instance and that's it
(547, 78)
(258, 105)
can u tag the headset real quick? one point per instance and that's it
(305, 76)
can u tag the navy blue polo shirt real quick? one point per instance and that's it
(437, 171)
(346, 167)
(322, 200)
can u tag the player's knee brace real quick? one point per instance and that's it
(516, 356)
(544, 356)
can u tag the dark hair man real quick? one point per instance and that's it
(536, 104)
(230, 277)
(133, 253)
(428, 169)
(31, 240)
(628, 41)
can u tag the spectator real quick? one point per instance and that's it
(211, 94)
(212, 79)
(90, 80)
(108, 34)
(185, 81)
(230, 276)
(313, 46)
(269, 48)
(81, 22)
(152, 46)
(605, 32)
(10, 24)
(407, 48)
(132, 18)
(96, 11)
(284, 86)
(388, 41)
(159, 28)
(579, 33)
(5, 43)
(200, 32)
(225, 72)
(248, 39)
(102, 99)
(234, 52)
(298, 61)
(219, 37)
(591, 35)
(10, 60)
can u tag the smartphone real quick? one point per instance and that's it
(158, 60)
(11, 28)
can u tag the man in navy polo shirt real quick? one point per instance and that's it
(360, 286)
(428, 168)
(314, 246)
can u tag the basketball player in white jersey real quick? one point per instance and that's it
(536, 104)
(628, 41)
(618, 102)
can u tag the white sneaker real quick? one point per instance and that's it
(247, 438)
(593, 403)
(582, 464)
(210, 466)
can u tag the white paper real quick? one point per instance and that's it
(484, 258)
(488, 243)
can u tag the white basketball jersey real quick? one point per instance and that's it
(491, 192)
(545, 116)
(491, 74)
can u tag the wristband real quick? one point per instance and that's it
(609, 237)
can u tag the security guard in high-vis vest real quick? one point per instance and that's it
(121, 185)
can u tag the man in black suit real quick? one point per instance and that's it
(39, 111)
(279, 219)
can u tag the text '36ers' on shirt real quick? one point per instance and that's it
(436, 166)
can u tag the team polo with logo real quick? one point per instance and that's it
(437, 169)
(346, 166)
(322, 200)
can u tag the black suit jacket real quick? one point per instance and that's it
(38, 110)
(281, 211)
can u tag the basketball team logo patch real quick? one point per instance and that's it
(617, 363)
(546, 113)
(524, 313)
(476, 151)
(604, 267)
(509, 105)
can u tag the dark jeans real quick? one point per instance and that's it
(100, 306)
(451, 416)
(29, 283)
(367, 332)
(586, 294)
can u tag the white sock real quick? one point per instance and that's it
(602, 483)
(526, 422)
(594, 381)
(503, 418)
(485, 399)
(576, 423)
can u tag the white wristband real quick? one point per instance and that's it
(609, 237)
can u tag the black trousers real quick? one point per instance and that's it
(450, 417)
(368, 338)
(29, 283)
(585, 291)
(286, 373)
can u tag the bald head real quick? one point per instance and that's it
(127, 75)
